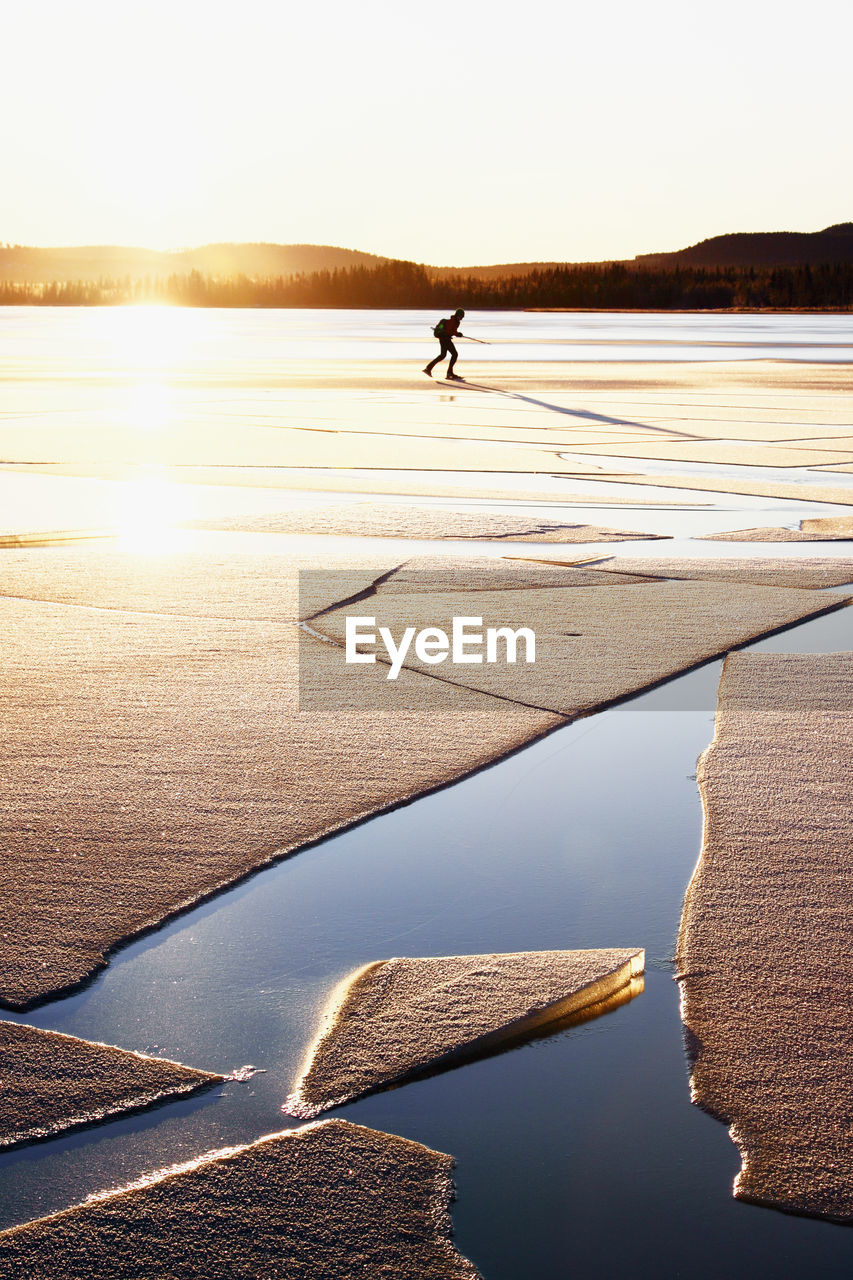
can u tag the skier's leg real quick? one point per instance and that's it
(442, 352)
(454, 356)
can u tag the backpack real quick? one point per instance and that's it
(438, 331)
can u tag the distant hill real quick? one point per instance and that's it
(272, 259)
(35, 266)
(761, 249)
(29, 265)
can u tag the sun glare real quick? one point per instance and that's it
(150, 406)
(147, 339)
(149, 512)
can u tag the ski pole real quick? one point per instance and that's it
(482, 341)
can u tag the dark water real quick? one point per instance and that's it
(578, 1154)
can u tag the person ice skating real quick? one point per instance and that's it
(446, 330)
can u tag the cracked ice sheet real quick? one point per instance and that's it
(374, 520)
(329, 1201)
(54, 1082)
(764, 946)
(192, 584)
(732, 379)
(837, 468)
(398, 1018)
(362, 483)
(218, 444)
(44, 503)
(720, 452)
(822, 529)
(780, 426)
(807, 489)
(805, 573)
(252, 586)
(436, 573)
(152, 760)
(594, 645)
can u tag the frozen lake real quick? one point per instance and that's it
(92, 340)
(579, 1153)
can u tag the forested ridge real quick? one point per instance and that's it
(392, 284)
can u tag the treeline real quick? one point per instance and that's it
(616, 286)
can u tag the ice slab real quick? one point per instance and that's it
(399, 1018)
(593, 645)
(726, 453)
(189, 584)
(373, 520)
(223, 444)
(823, 529)
(436, 573)
(330, 1201)
(292, 481)
(806, 573)
(837, 468)
(764, 946)
(809, 485)
(153, 759)
(52, 1082)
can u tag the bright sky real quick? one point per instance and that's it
(464, 133)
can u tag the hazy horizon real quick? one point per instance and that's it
(553, 135)
(349, 248)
